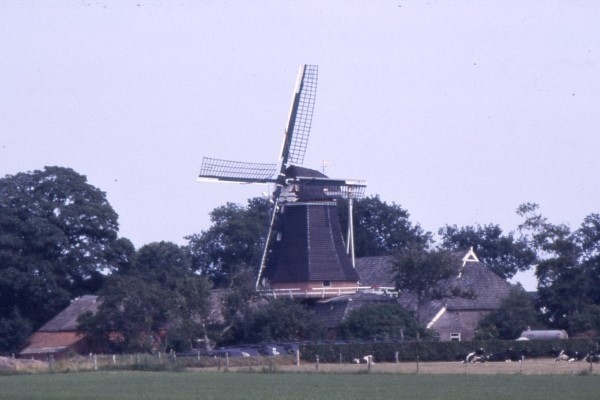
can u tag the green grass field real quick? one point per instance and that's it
(129, 385)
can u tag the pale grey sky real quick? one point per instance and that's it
(456, 110)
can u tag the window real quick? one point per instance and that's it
(455, 337)
(326, 283)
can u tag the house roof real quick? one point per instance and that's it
(375, 272)
(66, 320)
(50, 342)
(486, 289)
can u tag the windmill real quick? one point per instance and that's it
(305, 253)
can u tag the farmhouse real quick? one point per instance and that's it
(453, 319)
(59, 336)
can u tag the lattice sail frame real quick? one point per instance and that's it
(301, 113)
(236, 171)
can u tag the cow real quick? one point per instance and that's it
(569, 356)
(477, 356)
(507, 355)
(369, 359)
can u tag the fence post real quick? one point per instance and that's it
(95, 362)
(297, 357)
(417, 364)
(521, 365)
(396, 357)
(340, 357)
(317, 366)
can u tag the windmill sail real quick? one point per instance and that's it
(304, 248)
(299, 123)
(236, 171)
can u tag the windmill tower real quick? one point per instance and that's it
(305, 254)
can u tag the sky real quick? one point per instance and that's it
(458, 111)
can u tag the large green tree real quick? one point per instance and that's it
(569, 270)
(381, 228)
(505, 254)
(517, 313)
(58, 237)
(380, 322)
(282, 320)
(233, 243)
(426, 274)
(157, 296)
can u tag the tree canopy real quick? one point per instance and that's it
(380, 322)
(568, 271)
(233, 243)
(282, 320)
(502, 253)
(381, 228)
(425, 274)
(157, 295)
(517, 313)
(58, 236)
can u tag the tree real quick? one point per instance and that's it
(233, 243)
(426, 274)
(502, 253)
(569, 270)
(279, 320)
(58, 236)
(14, 331)
(380, 322)
(141, 306)
(517, 313)
(381, 228)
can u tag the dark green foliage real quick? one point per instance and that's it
(569, 270)
(380, 322)
(233, 243)
(381, 228)
(425, 273)
(517, 313)
(58, 235)
(156, 299)
(502, 253)
(239, 301)
(281, 320)
(14, 331)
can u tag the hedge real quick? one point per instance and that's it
(437, 351)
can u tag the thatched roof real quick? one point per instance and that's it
(66, 320)
(375, 272)
(486, 289)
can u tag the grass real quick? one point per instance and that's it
(128, 385)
